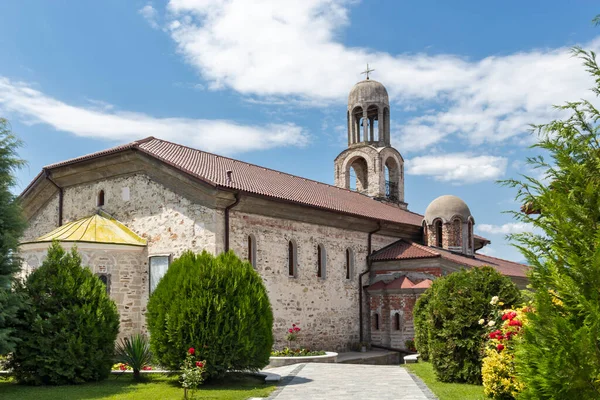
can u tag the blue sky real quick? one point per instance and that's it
(267, 82)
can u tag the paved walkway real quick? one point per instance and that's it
(313, 381)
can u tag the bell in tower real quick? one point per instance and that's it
(370, 165)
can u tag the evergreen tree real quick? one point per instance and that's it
(560, 356)
(11, 228)
(68, 326)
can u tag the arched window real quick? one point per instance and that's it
(105, 278)
(349, 263)
(321, 261)
(292, 261)
(470, 228)
(438, 233)
(376, 321)
(391, 179)
(100, 200)
(252, 250)
(357, 121)
(373, 116)
(397, 321)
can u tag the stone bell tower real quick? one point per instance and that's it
(370, 165)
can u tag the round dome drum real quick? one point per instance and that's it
(447, 207)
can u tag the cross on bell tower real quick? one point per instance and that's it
(367, 71)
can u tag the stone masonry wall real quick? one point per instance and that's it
(326, 309)
(170, 223)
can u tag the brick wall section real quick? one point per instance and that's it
(387, 305)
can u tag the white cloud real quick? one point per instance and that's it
(458, 168)
(277, 48)
(511, 227)
(150, 15)
(220, 136)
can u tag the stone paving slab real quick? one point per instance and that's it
(314, 381)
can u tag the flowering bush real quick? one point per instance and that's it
(410, 345)
(292, 335)
(499, 376)
(127, 367)
(192, 373)
(448, 320)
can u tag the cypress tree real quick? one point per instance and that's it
(217, 305)
(11, 228)
(560, 355)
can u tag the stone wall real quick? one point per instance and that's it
(170, 223)
(326, 308)
(128, 280)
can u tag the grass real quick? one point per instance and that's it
(232, 387)
(445, 391)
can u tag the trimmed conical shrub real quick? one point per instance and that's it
(68, 327)
(217, 305)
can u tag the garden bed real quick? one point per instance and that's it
(329, 357)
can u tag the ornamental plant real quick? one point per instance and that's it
(68, 329)
(221, 309)
(192, 373)
(292, 334)
(455, 304)
(135, 352)
(499, 375)
(559, 356)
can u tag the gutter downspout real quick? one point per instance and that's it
(229, 207)
(60, 196)
(360, 285)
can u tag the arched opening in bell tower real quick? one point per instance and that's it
(358, 175)
(357, 124)
(392, 177)
(373, 117)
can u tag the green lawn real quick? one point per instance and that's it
(445, 391)
(233, 387)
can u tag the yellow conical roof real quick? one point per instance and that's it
(94, 229)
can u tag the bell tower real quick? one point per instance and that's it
(370, 165)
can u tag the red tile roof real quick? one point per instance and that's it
(423, 284)
(400, 283)
(405, 250)
(251, 178)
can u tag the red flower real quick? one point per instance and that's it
(515, 322)
(296, 329)
(294, 325)
(122, 367)
(290, 330)
(496, 335)
(191, 350)
(509, 315)
(147, 368)
(500, 347)
(199, 364)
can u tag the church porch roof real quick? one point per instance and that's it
(97, 228)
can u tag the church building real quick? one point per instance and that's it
(346, 261)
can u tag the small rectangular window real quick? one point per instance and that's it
(158, 269)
